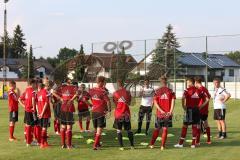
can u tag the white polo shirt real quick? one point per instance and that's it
(147, 96)
(219, 95)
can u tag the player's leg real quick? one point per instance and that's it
(219, 128)
(164, 137)
(11, 131)
(155, 133)
(183, 136)
(198, 135)
(128, 128)
(194, 135)
(120, 138)
(208, 131)
(43, 137)
(69, 136)
(223, 126)
(148, 119)
(63, 135)
(80, 122)
(88, 123)
(97, 138)
(140, 119)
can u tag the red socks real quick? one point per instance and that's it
(80, 125)
(208, 134)
(11, 131)
(43, 137)
(154, 136)
(164, 136)
(87, 124)
(56, 126)
(28, 134)
(69, 138)
(97, 141)
(194, 134)
(37, 133)
(63, 136)
(183, 135)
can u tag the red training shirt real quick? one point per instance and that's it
(43, 97)
(12, 101)
(192, 96)
(27, 97)
(67, 92)
(83, 97)
(122, 98)
(204, 110)
(99, 99)
(164, 97)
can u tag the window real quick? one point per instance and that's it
(231, 72)
(41, 74)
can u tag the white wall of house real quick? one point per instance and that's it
(231, 74)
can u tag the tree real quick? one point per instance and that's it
(31, 65)
(18, 43)
(66, 53)
(80, 68)
(119, 66)
(164, 61)
(235, 56)
(60, 73)
(8, 46)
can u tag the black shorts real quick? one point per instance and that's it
(44, 122)
(66, 118)
(145, 109)
(219, 114)
(57, 109)
(99, 120)
(13, 116)
(203, 117)
(163, 122)
(192, 116)
(122, 123)
(30, 118)
(83, 114)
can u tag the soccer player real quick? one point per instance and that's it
(122, 100)
(203, 111)
(28, 101)
(83, 107)
(164, 100)
(221, 96)
(56, 101)
(44, 111)
(68, 94)
(147, 94)
(100, 106)
(190, 103)
(13, 109)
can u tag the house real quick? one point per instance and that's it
(99, 64)
(194, 64)
(15, 67)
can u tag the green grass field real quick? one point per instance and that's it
(228, 149)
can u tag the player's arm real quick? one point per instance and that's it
(205, 102)
(20, 100)
(184, 103)
(45, 107)
(227, 96)
(172, 106)
(54, 93)
(157, 106)
(141, 92)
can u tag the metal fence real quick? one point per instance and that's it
(140, 49)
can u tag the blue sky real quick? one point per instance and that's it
(53, 24)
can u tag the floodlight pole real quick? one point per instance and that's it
(206, 69)
(5, 44)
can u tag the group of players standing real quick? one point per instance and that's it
(41, 94)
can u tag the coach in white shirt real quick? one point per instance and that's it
(147, 94)
(221, 96)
